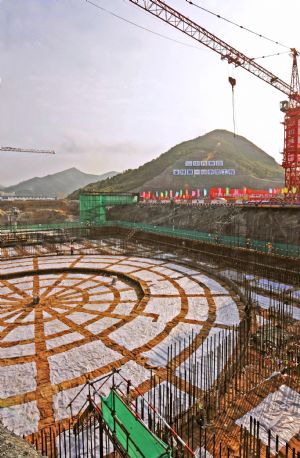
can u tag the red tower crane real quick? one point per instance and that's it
(291, 107)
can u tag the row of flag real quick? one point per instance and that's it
(213, 192)
(182, 193)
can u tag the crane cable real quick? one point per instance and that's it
(271, 55)
(140, 26)
(237, 25)
(232, 81)
(165, 36)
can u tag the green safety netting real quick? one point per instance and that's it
(92, 213)
(130, 432)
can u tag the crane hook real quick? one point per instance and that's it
(232, 81)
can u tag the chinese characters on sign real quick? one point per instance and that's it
(193, 171)
(203, 163)
(204, 172)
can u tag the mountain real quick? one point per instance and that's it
(253, 167)
(58, 184)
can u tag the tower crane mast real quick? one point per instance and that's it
(291, 108)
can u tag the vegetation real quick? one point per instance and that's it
(254, 168)
(56, 185)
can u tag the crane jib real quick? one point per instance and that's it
(26, 150)
(291, 108)
(171, 16)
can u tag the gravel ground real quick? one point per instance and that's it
(12, 446)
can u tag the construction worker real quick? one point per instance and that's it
(113, 282)
(217, 238)
(269, 247)
(200, 414)
(35, 300)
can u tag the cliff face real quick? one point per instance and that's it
(277, 225)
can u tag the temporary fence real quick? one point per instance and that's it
(40, 227)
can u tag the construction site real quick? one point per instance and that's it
(134, 329)
(118, 336)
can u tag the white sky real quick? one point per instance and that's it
(109, 96)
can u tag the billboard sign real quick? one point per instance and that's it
(203, 172)
(197, 168)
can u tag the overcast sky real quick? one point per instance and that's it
(107, 95)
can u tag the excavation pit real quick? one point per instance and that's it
(95, 313)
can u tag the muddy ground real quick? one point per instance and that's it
(35, 212)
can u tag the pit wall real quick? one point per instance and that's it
(280, 225)
(279, 268)
(216, 238)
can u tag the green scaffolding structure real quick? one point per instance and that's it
(92, 205)
(134, 437)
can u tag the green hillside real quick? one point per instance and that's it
(56, 185)
(254, 168)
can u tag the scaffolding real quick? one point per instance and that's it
(92, 205)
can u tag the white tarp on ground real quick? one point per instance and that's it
(265, 283)
(80, 360)
(296, 294)
(132, 371)
(102, 324)
(210, 283)
(165, 271)
(17, 379)
(278, 412)
(181, 400)
(63, 340)
(86, 444)
(206, 364)
(84, 357)
(202, 453)
(198, 309)
(180, 268)
(17, 351)
(178, 338)
(226, 311)
(20, 333)
(265, 302)
(22, 419)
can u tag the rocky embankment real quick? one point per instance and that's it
(274, 224)
(12, 446)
